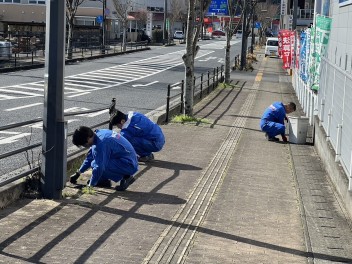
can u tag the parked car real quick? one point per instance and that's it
(271, 47)
(145, 37)
(179, 35)
(239, 34)
(218, 33)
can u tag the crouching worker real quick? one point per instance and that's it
(145, 136)
(110, 156)
(272, 122)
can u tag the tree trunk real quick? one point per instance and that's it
(188, 59)
(69, 40)
(227, 58)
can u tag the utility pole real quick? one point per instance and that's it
(54, 148)
(244, 36)
(103, 27)
(252, 39)
(294, 18)
(165, 14)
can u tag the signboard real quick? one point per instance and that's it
(218, 7)
(283, 7)
(149, 24)
(344, 2)
(257, 25)
(285, 46)
(99, 19)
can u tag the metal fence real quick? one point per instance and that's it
(205, 82)
(11, 58)
(332, 105)
(35, 167)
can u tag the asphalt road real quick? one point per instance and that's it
(138, 81)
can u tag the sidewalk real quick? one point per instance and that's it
(217, 193)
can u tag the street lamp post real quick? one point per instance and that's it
(244, 37)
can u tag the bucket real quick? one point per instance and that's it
(298, 127)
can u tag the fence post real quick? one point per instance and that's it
(201, 86)
(221, 70)
(338, 142)
(217, 75)
(182, 93)
(214, 78)
(208, 81)
(194, 85)
(82, 53)
(32, 58)
(350, 176)
(168, 103)
(15, 60)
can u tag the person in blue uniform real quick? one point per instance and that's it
(145, 136)
(272, 121)
(110, 156)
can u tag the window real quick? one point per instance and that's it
(11, 1)
(39, 2)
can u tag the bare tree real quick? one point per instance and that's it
(265, 13)
(71, 10)
(177, 11)
(233, 7)
(193, 31)
(122, 7)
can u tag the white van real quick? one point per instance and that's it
(272, 47)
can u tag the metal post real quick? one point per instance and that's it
(182, 95)
(168, 103)
(252, 40)
(208, 81)
(243, 46)
(221, 72)
(165, 14)
(201, 85)
(214, 78)
(54, 154)
(103, 25)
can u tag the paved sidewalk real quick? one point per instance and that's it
(217, 193)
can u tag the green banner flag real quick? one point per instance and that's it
(319, 42)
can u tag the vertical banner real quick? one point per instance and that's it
(303, 65)
(149, 24)
(318, 48)
(286, 48)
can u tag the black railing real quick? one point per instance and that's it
(36, 145)
(12, 57)
(201, 83)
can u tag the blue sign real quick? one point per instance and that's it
(218, 7)
(99, 19)
(257, 25)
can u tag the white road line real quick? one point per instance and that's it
(71, 96)
(18, 92)
(30, 88)
(147, 84)
(23, 106)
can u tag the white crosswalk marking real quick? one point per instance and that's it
(81, 84)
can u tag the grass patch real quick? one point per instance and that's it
(88, 190)
(189, 119)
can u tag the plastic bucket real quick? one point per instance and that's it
(298, 127)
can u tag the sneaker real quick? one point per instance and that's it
(125, 182)
(271, 138)
(146, 158)
(74, 178)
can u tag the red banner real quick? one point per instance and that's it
(286, 47)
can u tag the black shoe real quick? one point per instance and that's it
(271, 138)
(74, 178)
(146, 158)
(125, 182)
(104, 183)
